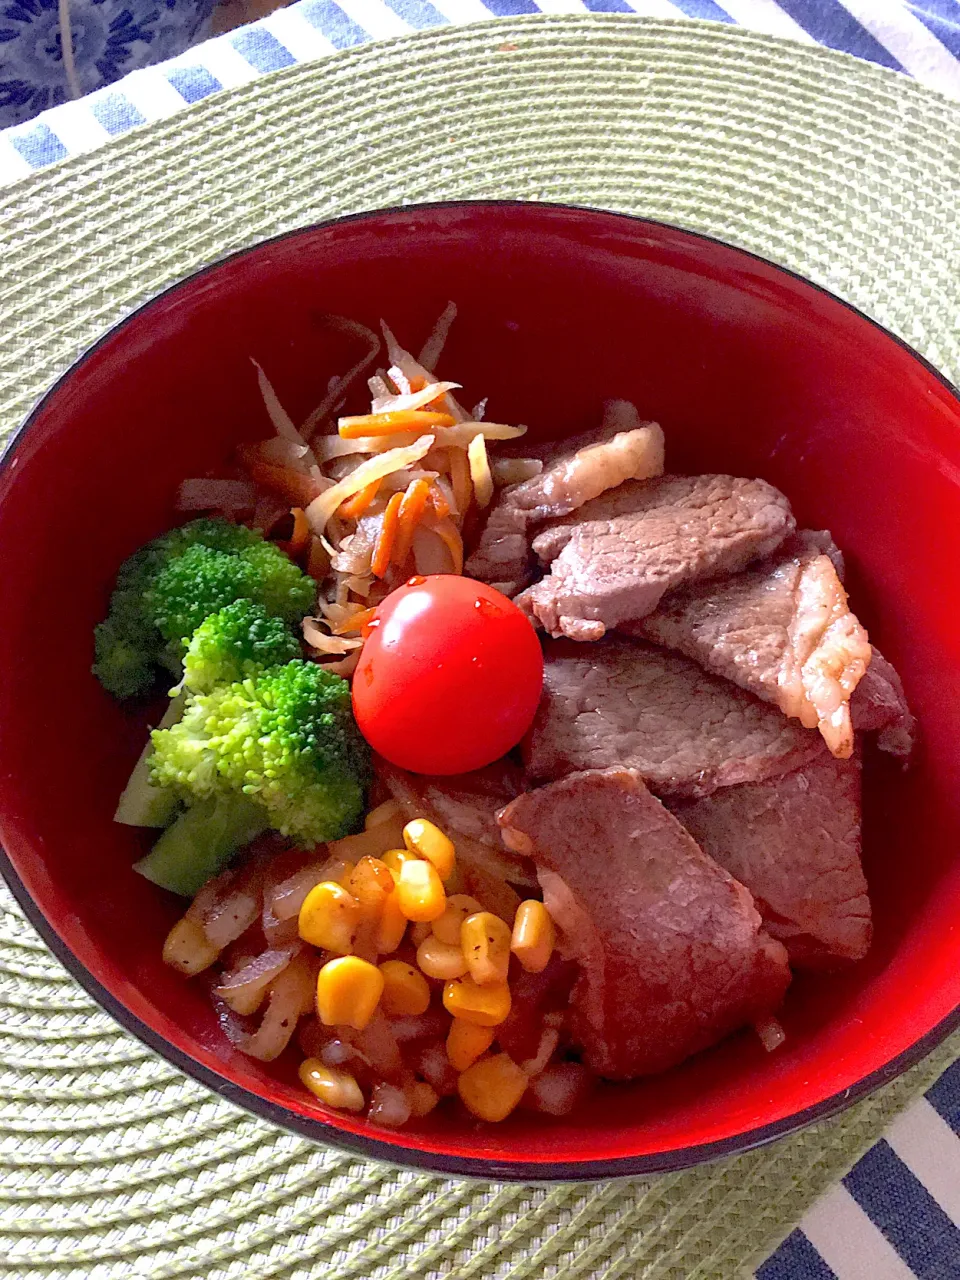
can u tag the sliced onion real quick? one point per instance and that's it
(338, 387)
(222, 495)
(432, 1025)
(231, 918)
(322, 508)
(370, 844)
(288, 896)
(343, 667)
(430, 552)
(325, 643)
(291, 995)
(278, 933)
(282, 422)
(285, 453)
(480, 471)
(479, 410)
(385, 812)
(401, 480)
(432, 349)
(549, 1039)
(403, 363)
(378, 1044)
(432, 1063)
(415, 400)
(243, 989)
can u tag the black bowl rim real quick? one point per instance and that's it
(395, 1153)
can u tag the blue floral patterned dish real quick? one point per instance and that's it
(110, 38)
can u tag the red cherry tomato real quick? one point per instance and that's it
(449, 677)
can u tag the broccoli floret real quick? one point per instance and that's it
(285, 738)
(167, 589)
(234, 643)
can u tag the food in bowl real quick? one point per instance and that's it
(590, 859)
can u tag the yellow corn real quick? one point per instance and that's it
(440, 960)
(466, 1042)
(329, 917)
(348, 992)
(420, 931)
(447, 926)
(422, 1098)
(426, 840)
(534, 936)
(187, 948)
(334, 1087)
(420, 892)
(492, 1087)
(391, 926)
(485, 942)
(486, 1006)
(395, 858)
(405, 991)
(370, 883)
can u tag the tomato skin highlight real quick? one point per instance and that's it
(449, 677)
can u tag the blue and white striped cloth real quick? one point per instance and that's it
(896, 1215)
(921, 39)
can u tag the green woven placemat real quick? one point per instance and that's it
(111, 1163)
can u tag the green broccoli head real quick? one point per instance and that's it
(285, 738)
(235, 642)
(167, 589)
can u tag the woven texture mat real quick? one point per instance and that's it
(111, 1163)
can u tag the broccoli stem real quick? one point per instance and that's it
(201, 842)
(143, 804)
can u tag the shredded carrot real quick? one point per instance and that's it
(297, 487)
(357, 505)
(450, 534)
(383, 551)
(297, 542)
(318, 562)
(460, 479)
(385, 424)
(417, 382)
(356, 622)
(411, 510)
(439, 503)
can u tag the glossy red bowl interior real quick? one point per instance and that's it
(749, 369)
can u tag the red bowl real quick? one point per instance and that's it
(749, 369)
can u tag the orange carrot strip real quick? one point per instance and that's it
(411, 510)
(357, 505)
(297, 542)
(460, 479)
(450, 534)
(388, 534)
(385, 424)
(356, 622)
(439, 503)
(297, 487)
(417, 382)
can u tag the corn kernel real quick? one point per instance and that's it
(188, 948)
(485, 942)
(405, 991)
(329, 917)
(423, 1098)
(486, 1006)
(391, 926)
(348, 992)
(334, 1087)
(447, 926)
(534, 936)
(420, 892)
(492, 1087)
(440, 960)
(420, 931)
(427, 841)
(466, 1042)
(370, 883)
(395, 858)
